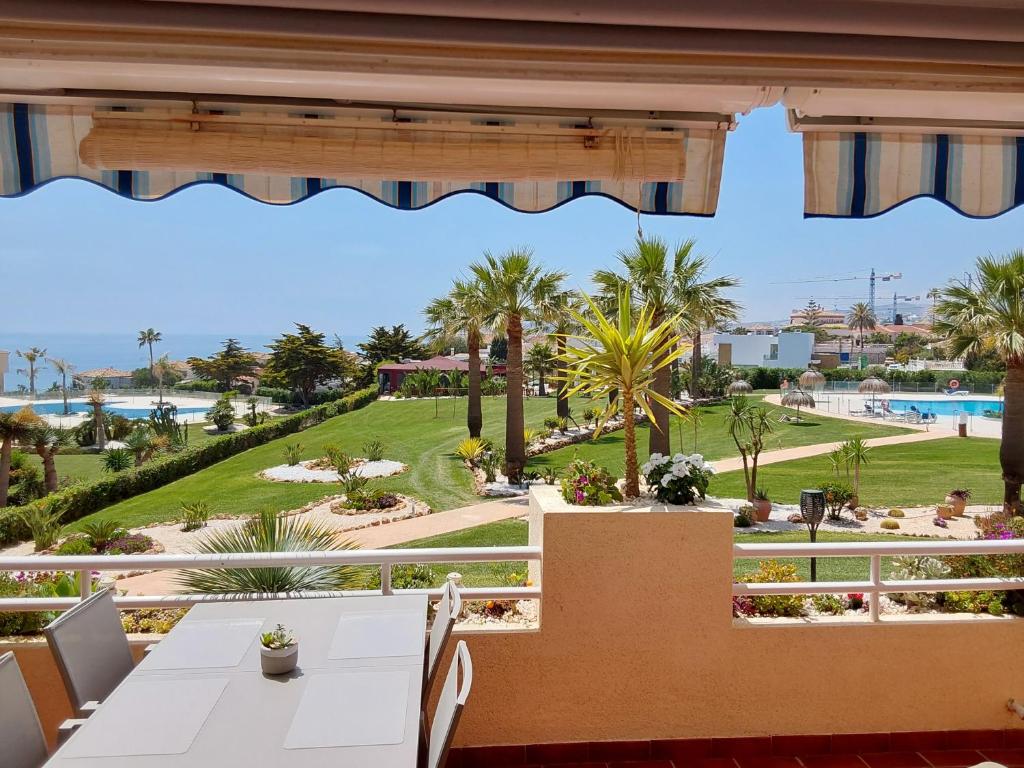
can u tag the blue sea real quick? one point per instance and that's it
(120, 350)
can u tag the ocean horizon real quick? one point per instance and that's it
(120, 350)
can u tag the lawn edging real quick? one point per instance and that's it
(83, 499)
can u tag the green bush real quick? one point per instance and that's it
(832, 604)
(22, 623)
(117, 459)
(405, 577)
(774, 572)
(373, 450)
(837, 494)
(587, 484)
(75, 545)
(293, 453)
(222, 414)
(194, 515)
(84, 499)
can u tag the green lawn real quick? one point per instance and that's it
(713, 440)
(897, 475)
(420, 433)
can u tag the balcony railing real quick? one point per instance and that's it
(86, 566)
(875, 551)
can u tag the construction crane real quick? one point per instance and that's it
(872, 279)
(896, 299)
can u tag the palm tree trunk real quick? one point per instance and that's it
(660, 431)
(541, 392)
(561, 401)
(64, 391)
(752, 486)
(49, 469)
(632, 489)
(151, 360)
(97, 424)
(695, 366)
(1011, 448)
(515, 442)
(474, 414)
(5, 469)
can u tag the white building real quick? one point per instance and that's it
(4, 357)
(785, 350)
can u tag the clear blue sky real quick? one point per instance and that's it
(74, 257)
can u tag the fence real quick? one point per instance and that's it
(876, 585)
(170, 394)
(86, 566)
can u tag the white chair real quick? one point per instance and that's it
(21, 735)
(91, 650)
(449, 708)
(448, 610)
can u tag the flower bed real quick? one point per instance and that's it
(315, 471)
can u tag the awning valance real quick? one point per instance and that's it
(531, 163)
(861, 174)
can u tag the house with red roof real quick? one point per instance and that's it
(390, 375)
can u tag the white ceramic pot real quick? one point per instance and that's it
(279, 661)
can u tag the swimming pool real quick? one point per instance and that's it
(949, 407)
(57, 409)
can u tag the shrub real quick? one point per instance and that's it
(151, 620)
(744, 517)
(100, 532)
(677, 479)
(896, 513)
(75, 545)
(83, 499)
(129, 544)
(364, 500)
(889, 524)
(373, 450)
(836, 496)
(22, 623)
(194, 515)
(199, 385)
(909, 568)
(774, 572)
(120, 427)
(353, 484)
(563, 424)
(416, 576)
(832, 604)
(118, 459)
(855, 601)
(337, 458)
(549, 475)
(529, 435)
(471, 449)
(552, 422)
(587, 484)
(42, 519)
(222, 414)
(970, 602)
(590, 415)
(491, 462)
(293, 453)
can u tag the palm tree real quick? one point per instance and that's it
(560, 323)
(149, 337)
(96, 399)
(14, 428)
(514, 290)
(162, 368)
(861, 318)
(856, 452)
(705, 307)
(990, 317)
(934, 294)
(461, 313)
(64, 368)
(32, 357)
(540, 359)
(622, 355)
(47, 441)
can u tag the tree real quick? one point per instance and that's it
(14, 428)
(991, 316)
(47, 441)
(395, 343)
(514, 290)
(856, 453)
(861, 318)
(149, 337)
(303, 361)
(164, 371)
(232, 362)
(63, 369)
(32, 357)
(460, 314)
(748, 425)
(561, 323)
(497, 350)
(540, 359)
(619, 357)
(96, 399)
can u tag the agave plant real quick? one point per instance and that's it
(117, 459)
(471, 449)
(269, 531)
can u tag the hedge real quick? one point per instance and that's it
(771, 378)
(289, 397)
(86, 498)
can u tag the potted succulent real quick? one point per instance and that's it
(762, 505)
(957, 499)
(279, 651)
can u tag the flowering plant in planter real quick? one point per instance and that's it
(678, 479)
(587, 484)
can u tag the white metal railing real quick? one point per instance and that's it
(875, 551)
(87, 566)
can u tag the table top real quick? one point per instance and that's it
(200, 697)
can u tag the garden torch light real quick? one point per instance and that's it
(812, 507)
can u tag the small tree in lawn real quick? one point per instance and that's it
(47, 442)
(748, 426)
(96, 399)
(856, 451)
(304, 361)
(618, 357)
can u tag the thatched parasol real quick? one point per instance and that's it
(812, 380)
(873, 386)
(798, 399)
(739, 387)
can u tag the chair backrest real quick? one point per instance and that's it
(448, 610)
(21, 735)
(449, 706)
(91, 649)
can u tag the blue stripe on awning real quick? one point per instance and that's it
(23, 147)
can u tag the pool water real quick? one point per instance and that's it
(949, 407)
(57, 409)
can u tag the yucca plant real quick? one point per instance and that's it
(373, 450)
(194, 515)
(293, 453)
(269, 531)
(117, 459)
(617, 358)
(856, 451)
(337, 458)
(42, 518)
(471, 449)
(529, 435)
(102, 532)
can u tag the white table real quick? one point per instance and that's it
(201, 699)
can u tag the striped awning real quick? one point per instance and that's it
(864, 174)
(530, 164)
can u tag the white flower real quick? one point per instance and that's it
(678, 457)
(655, 457)
(680, 470)
(665, 480)
(646, 468)
(709, 469)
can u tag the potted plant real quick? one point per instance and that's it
(762, 505)
(279, 651)
(957, 499)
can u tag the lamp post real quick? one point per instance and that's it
(812, 507)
